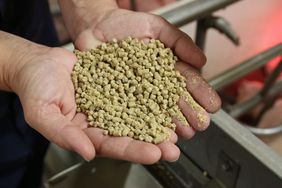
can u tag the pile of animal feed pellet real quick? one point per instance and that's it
(129, 88)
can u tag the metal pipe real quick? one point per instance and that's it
(190, 11)
(62, 175)
(218, 23)
(271, 79)
(266, 106)
(201, 34)
(223, 26)
(241, 108)
(133, 5)
(266, 88)
(245, 67)
(264, 131)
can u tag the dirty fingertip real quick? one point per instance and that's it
(183, 131)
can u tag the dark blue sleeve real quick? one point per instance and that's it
(30, 19)
(22, 149)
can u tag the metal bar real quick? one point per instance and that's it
(271, 79)
(245, 67)
(201, 34)
(266, 106)
(265, 131)
(133, 5)
(62, 175)
(219, 24)
(265, 90)
(190, 11)
(241, 108)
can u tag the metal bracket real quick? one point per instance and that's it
(218, 23)
(227, 171)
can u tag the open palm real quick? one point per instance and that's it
(120, 24)
(47, 96)
(47, 93)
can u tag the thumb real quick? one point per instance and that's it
(59, 129)
(73, 138)
(86, 40)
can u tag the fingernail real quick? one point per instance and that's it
(172, 161)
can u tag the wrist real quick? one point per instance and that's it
(17, 52)
(25, 59)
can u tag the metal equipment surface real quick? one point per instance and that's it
(226, 155)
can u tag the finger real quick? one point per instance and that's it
(86, 41)
(181, 43)
(170, 152)
(197, 117)
(61, 53)
(184, 131)
(137, 30)
(173, 137)
(124, 148)
(80, 120)
(199, 88)
(68, 107)
(49, 121)
(77, 141)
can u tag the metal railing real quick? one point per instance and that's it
(267, 94)
(186, 11)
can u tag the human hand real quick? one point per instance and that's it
(46, 92)
(119, 24)
(40, 76)
(144, 5)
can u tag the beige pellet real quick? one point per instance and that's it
(128, 88)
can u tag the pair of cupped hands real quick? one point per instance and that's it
(47, 94)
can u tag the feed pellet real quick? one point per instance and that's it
(129, 88)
